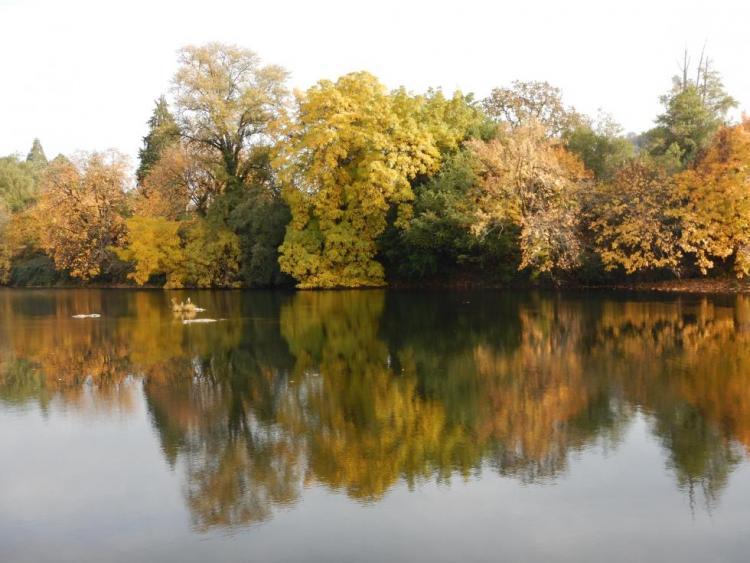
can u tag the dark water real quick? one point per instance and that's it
(373, 426)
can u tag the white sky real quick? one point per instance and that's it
(83, 75)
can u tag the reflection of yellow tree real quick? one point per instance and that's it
(71, 358)
(365, 425)
(67, 357)
(680, 362)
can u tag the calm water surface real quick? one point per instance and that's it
(374, 426)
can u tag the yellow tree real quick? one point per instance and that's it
(531, 181)
(152, 245)
(715, 214)
(191, 253)
(348, 159)
(81, 212)
(634, 223)
(227, 102)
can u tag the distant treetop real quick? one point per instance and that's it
(36, 155)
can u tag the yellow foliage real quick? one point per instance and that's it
(634, 225)
(531, 181)
(153, 246)
(82, 212)
(189, 253)
(349, 159)
(715, 215)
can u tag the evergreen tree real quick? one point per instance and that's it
(36, 155)
(694, 112)
(163, 131)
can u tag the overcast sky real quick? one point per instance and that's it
(83, 75)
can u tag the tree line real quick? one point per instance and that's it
(243, 183)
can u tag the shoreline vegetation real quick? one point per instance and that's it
(708, 286)
(242, 183)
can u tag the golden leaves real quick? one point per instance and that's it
(82, 208)
(531, 181)
(347, 161)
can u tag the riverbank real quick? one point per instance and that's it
(727, 285)
(693, 285)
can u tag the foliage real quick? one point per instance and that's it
(181, 181)
(524, 103)
(36, 156)
(19, 240)
(348, 159)
(439, 240)
(601, 147)
(260, 220)
(715, 202)
(533, 182)
(187, 254)
(162, 132)
(633, 224)
(18, 183)
(82, 208)
(694, 111)
(226, 104)
(152, 246)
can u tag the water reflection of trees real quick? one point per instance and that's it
(357, 391)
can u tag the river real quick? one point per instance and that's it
(374, 426)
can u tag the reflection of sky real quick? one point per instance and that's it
(94, 486)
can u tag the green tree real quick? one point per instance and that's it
(162, 132)
(439, 240)
(260, 220)
(18, 183)
(602, 147)
(694, 111)
(36, 156)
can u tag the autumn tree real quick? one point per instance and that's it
(226, 102)
(634, 224)
(347, 160)
(180, 182)
(190, 253)
(162, 133)
(82, 209)
(715, 196)
(438, 240)
(531, 181)
(524, 103)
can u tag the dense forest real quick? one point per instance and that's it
(243, 183)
